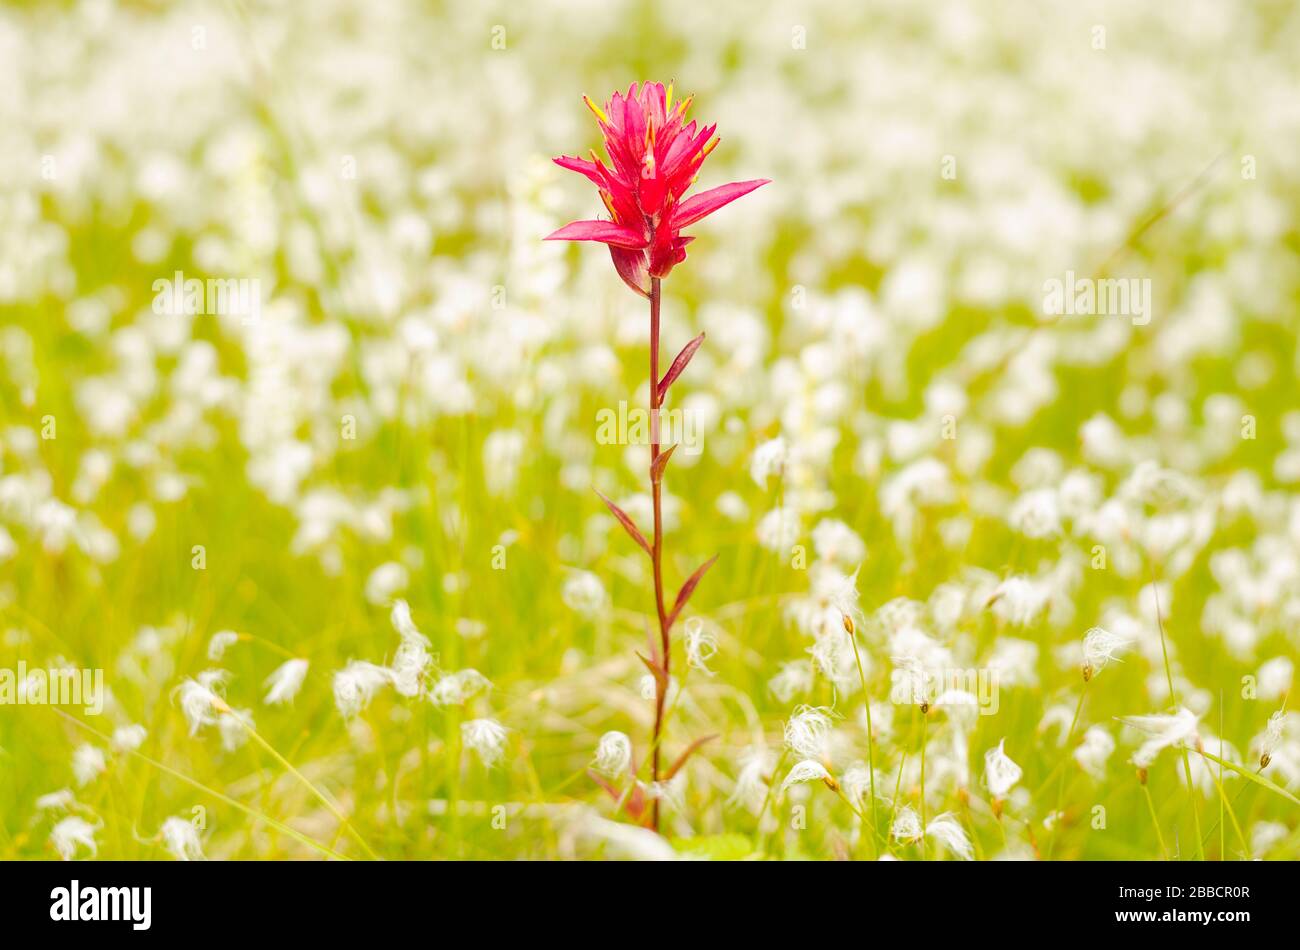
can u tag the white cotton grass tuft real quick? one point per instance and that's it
(613, 754)
(59, 800)
(751, 789)
(1094, 751)
(356, 684)
(1099, 648)
(808, 771)
(88, 763)
(129, 738)
(807, 731)
(907, 825)
(200, 698)
(584, 593)
(1165, 731)
(400, 617)
(1271, 739)
(70, 834)
(456, 689)
(285, 682)
(628, 841)
(1000, 772)
(487, 739)
(769, 459)
(234, 728)
(181, 839)
(947, 830)
(221, 641)
(701, 645)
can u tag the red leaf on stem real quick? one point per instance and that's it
(681, 759)
(628, 525)
(675, 370)
(655, 670)
(660, 463)
(688, 588)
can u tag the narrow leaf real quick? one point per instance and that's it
(655, 670)
(688, 588)
(1253, 776)
(628, 525)
(660, 463)
(679, 364)
(681, 759)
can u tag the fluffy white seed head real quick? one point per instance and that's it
(283, 684)
(181, 839)
(807, 730)
(1000, 773)
(701, 645)
(907, 825)
(400, 616)
(356, 684)
(1165, 731)
(129, 738)
(1099, 648)
(201, 700)
(456, 689)
(613, 754)
(220, 642)
(947, 830)
(73, 832)
(807, 771)
(1094, 751)
(88, 763)
(487, 738)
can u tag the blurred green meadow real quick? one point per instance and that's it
(892, 427)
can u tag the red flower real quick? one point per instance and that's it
(656, 157)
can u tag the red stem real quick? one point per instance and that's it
(656, 400)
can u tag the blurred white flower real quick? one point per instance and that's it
(613, 754)
(1094, 751)
(221, 640)
(129, 738)
(769, 459)
(807, 730)
(456, 689)
(701, 645)
(1000, 773)
(88, 763)
(181, 839)
(486, 737)
(1099, 648)
(356, 684)
(1165, 730)
(947, 830)
(71, 833)
(285, 682)
(807, 771)
(583, 592)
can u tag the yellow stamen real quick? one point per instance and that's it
(710, 147)
(684, 105)
(668, 100)
(599, 113)
(608, 204)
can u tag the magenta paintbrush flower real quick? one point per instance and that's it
(655, 156)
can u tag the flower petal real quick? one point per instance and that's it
(707, 202)
(633, 267)
(606, 232)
